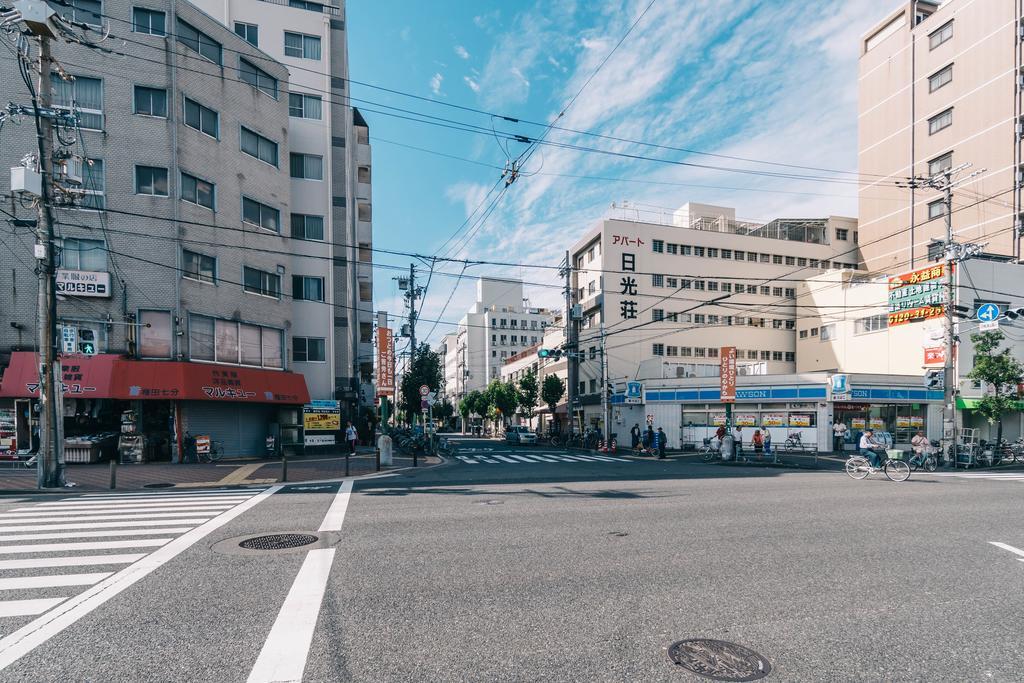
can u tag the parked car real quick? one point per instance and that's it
(520, 435)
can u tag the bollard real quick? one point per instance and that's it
(346, 464)
(113, 473)
(284, 468)
(377, 453)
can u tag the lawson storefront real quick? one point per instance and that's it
(690, 410)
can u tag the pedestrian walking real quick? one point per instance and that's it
(758, 441)
(767, 442)
(634, 435)
(839, 435)
(737, 437)
(662, 440)
(649, 437)
(351, 436)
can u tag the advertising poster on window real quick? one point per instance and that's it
(718, 419)
(745, 419)
(799, 420)
(903, 422)
(320, 419)
(858, 423)
(8, 432)
(916, 421)
(773, 420)
(876, 423)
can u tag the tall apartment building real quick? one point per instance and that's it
(666, 291)
(217, 237)
(940, 86)
(497, 326)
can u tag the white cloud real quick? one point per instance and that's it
(473, 85)
(435, 83)
(461, 52)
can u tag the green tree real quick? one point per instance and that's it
(1000, 372)
(502, 399)
(551, 392)
(425, 368)
(528, 394)
(444, 410)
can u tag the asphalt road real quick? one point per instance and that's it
(519, 570)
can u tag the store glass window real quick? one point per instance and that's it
(272, 348)
(155, 334)
(200, 337)
(226, 332)
(250, 344)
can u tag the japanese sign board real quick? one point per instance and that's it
(634, 393)
(745, 420)
(876, 423)
(83, 283)
(840, 387)
(917, 295)
(727, 370)
(773, 420)
(203, 444)
(385, 362)
(935, 355)
(321, 416)
(858, 423)
(798, 420)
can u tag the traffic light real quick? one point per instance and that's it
(933, 379)
(552, 354)
(1014, 313)
(87, 342)
(609, 390)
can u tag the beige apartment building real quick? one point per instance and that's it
(940, 86)
(519, 365)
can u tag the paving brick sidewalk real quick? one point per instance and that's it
(96, 477)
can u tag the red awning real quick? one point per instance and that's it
(113, 376)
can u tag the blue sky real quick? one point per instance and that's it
(773, 81)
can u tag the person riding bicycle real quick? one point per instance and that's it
(920, 443)
(868, 448)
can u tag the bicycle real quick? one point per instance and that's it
(794, 442)
(926, 460)
(215, 453)
(708, 451)
(858, 467)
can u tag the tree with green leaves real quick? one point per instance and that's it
(443, 411)
(502, 399)
(425, 368)
(528, 397)
(1000, 372)
(551, 391)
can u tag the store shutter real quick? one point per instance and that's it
(241, 429)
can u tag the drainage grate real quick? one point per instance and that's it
(161, 485)
(719, 660)
(278, 541)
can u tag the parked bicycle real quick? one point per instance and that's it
(710, 449)
(794, 442)
(858, 467)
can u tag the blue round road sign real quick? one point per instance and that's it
(988, 312)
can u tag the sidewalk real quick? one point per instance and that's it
(240, 472)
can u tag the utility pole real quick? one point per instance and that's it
(571, 359)
(953, 254)
(606, 391)
(413, 294)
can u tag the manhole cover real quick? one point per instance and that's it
(719, 660)
(161, 485)
(278, 541)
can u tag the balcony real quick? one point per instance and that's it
(318, 7)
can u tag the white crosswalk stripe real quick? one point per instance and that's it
(53, 551)
(532, 458)
(1000, 476)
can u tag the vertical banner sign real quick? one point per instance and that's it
(385, 362)
(917, 295)
(727, 369)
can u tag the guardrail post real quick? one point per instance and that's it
(377, 455)
(284, 467)
(113, 473)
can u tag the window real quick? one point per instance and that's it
(197, 191)
(226, 340)
(698, 251)
(672, 317)
(874, 323)
(267, 217)
(309, 349)
(712, 286)
(699, 352)
(673, 248)
(790, 357)
(766, 291)
(197, 41)
(258, 146)
(777, 259)
(776, 291)
(364, 211)
(790, 292)
(712, 319)
(199, 267)
(685, 250)
(306, 166)
(93, 186)
(301, 46)
(671, 350)
(150, 101)
(727, 253)
(940, 35)
(727, 287)
(801, 261)
(699, 318)
(363, 174)
(306, 288)
(306, 227)
(155, 333)
(940, 121)
(699, 284)
(814, 331)
(257, 77)
(84, 95)
(658, 314)
(712, 352)
(657, 280)
(200, 337)
(936, 209)
(86, 11)
(741, 288)
(790, 324)
(740, 255)
(148, 21)
(202, 118)
(658, 246)
(940, 164)
(828, 332)
(685, 351)
(306, 5)
(249, 32)
(765, 258)
(87, 255)
(790, 261)
(261, 282)
(712, 252)
(672, 282)
(814, 263)
(751, 354)
(752, 256)
(303, 106)
(776, 355)
(940, 78)
(766, 355)
(776, 324)
(151, 180)
(803, 334)
(658, 349)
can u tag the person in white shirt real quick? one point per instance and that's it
(737, 436)
(867, 448)
(351, 437)
(838, 435)
(920, 442)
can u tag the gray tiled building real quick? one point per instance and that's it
(221, 203)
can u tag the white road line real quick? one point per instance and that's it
(162, 494)
(86, 514)
(493, 462)
(52, 581)
(173, 502)
(587, 458)
(22, 608)
(38, 631)
(95, 534)
(569, 458)
(85, 545)
(195, 519)
(284, 654)
(74, 561)
(608, 458)
(502, 457)
(1004, 546)
(471, 461)
(336, 513)
(107, 518)
(524, 458)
